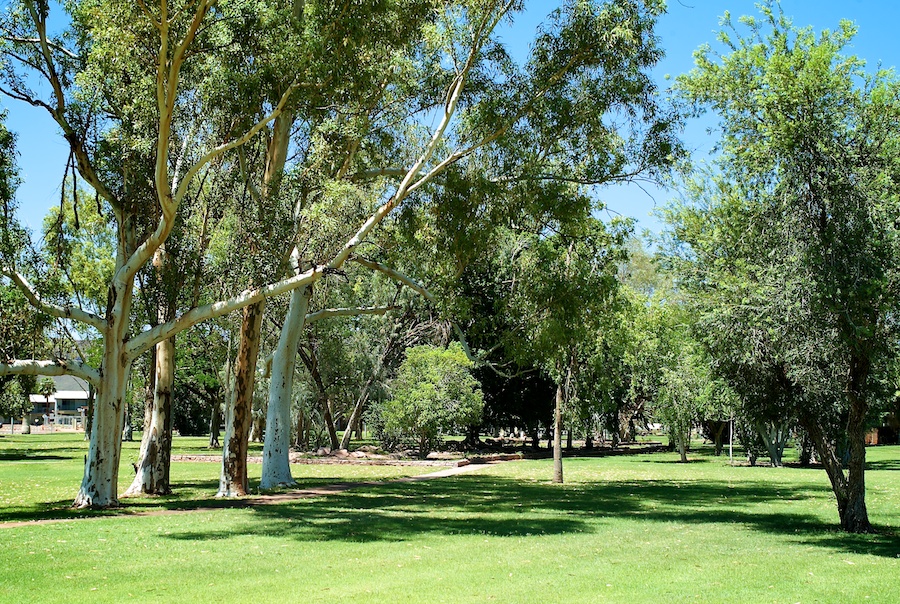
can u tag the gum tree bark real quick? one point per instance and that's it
(233, 481)
(276, 469)
(152, 469)
(152, 475)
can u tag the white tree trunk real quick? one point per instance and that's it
(156, 446)
(276, 467)
(99, 487)
(557, 436)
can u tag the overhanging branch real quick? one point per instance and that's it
(143, 342)
(51, 368)
(54, 310)
(327, 313)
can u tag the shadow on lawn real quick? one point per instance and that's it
(884, 464)
(486, 505)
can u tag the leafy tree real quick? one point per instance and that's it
(14, 402)
(792, 251)
(132, 89)
(433, 394)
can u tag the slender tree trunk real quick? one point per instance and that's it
(127, 429)
(258, 427)
(855, 516)
(312, 363)
(301, 441)
(354, 422)
(89, 417)
(850, 501)
(682, 450)
(152, 475)
(557, 436)
(215, 422)
(234, 481)
(569, 439)
(276, 467)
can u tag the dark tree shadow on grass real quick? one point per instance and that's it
(499, 506)
(884, 464)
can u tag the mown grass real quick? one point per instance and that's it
(40, 474)
(639, 529)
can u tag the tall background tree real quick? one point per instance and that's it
(790, 250)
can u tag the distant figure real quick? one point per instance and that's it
(46, 421)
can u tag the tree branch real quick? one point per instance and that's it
(141, 343)
(396, 276)
(54, 310)
(52, 368)
(326, 313)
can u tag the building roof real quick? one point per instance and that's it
(67, 387)
(65, 383)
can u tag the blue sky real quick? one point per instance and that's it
(687, 25)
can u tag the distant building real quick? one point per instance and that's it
(65, 407)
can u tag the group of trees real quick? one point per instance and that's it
(393, 199)
(255, 149)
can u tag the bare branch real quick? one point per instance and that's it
(54, 310)
(164, 331)
(396, 276)
(51, 44)
(375, 173)
(52, 368)
(327, 313)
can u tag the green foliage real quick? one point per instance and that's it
(789, 248)
(14, 400)
(433, 394)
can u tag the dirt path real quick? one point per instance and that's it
(258, 500)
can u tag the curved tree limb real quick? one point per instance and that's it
(54, 310)
(51, 368)
(396, 276)
(164, 331)
(327, 313)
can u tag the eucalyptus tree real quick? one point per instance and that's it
(793, 250)
(100, 153)
(503, 132)
(568, 62)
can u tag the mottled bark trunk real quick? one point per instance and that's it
(233, 481)
(99, 486)
(276, 467)
(100, 483)
(152, 475)
(26, 427)
(557, 436)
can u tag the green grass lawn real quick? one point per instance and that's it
(622, 529)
